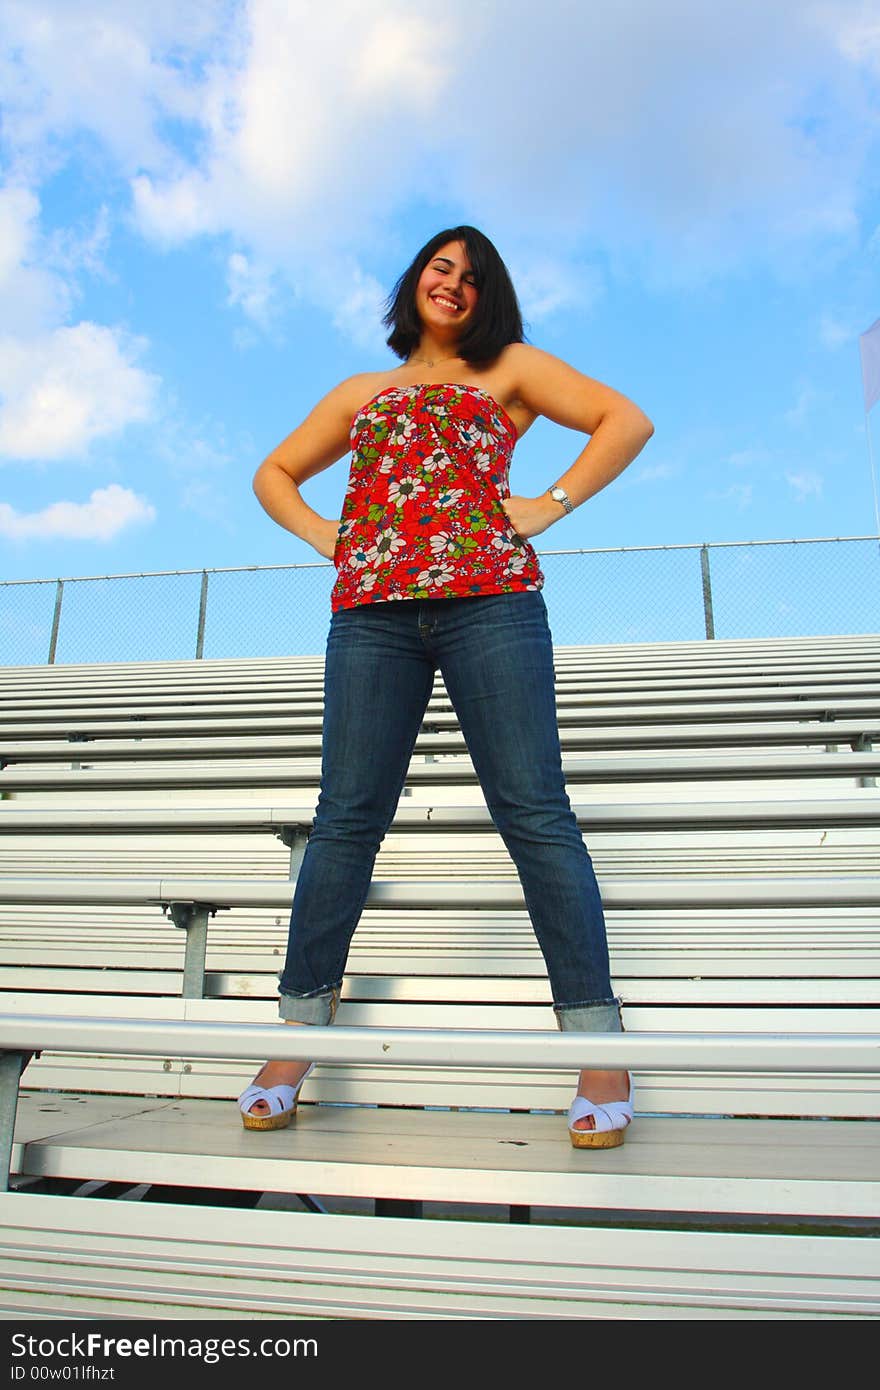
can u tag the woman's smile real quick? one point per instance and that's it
(446, 303)
(447, 284)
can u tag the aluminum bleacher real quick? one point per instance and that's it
(152, 820)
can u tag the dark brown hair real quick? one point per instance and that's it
(497, 320)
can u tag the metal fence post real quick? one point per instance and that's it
(203, 608)
(794, 619)
(56, 619)
(707, 593)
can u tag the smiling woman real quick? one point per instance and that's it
(429, 519)
(458, 268)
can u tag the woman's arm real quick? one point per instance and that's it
(321, 439)
(618, 432)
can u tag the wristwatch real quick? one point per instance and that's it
(560, 495)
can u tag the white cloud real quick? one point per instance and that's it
(291, 120)
(72, 250)
(545, 285)
(113, 68)
(357, 309)
(749, 458)
(32, 296)
(61, 390)
(108, 512)
(176, 211)
(207, 502)
(308, 142)
(206, 466)
(303, 131)
(740, 495)
(253, 288)
(61, 386)
(833, 333)
(198, 447)
(854, 28)
(804, 485)
(809, 397)
(656, 472)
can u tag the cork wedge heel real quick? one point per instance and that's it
(281, 1100)
(611, 1120)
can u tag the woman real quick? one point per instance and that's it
(435, 570)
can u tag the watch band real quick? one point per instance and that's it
(560, 495)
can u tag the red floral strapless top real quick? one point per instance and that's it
(422, 516)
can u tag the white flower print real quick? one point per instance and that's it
(449, 496)
(401, 430)
(364, 419)
(476, 438)
(388, 542)
(357, 558)
(441, 542)
(437, 459)
(366, 581)
(401, 489)
(445, 450)
(434, 576)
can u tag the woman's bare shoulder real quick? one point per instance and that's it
(550, 386)
(521, 364)
(356, 390)
(525, 359)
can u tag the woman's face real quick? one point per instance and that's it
(446, 294)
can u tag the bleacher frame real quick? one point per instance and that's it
(749, 982)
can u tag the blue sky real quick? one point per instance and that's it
(204, 204)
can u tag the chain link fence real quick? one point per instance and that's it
(741, 589)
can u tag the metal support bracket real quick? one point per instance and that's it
(427, 728)
(863, 744)
(312, 1203)
(12, 1064)
(193, 919)
(296, 838)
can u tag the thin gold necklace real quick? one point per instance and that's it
(433, 361)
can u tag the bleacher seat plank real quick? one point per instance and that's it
(86, 1258)
(798, 734)
(594, 725)
(783, 1168)
(450, 769)
(861, 808)
(724, 790)
(738, 1086)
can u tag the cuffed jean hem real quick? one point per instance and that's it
(309, 1008)
(589, 1018)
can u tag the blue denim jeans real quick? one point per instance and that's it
(496, 657)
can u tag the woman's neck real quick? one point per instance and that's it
(430, 351)
(418, 357)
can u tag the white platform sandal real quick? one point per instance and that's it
(281, 1101)
(611, 1119)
